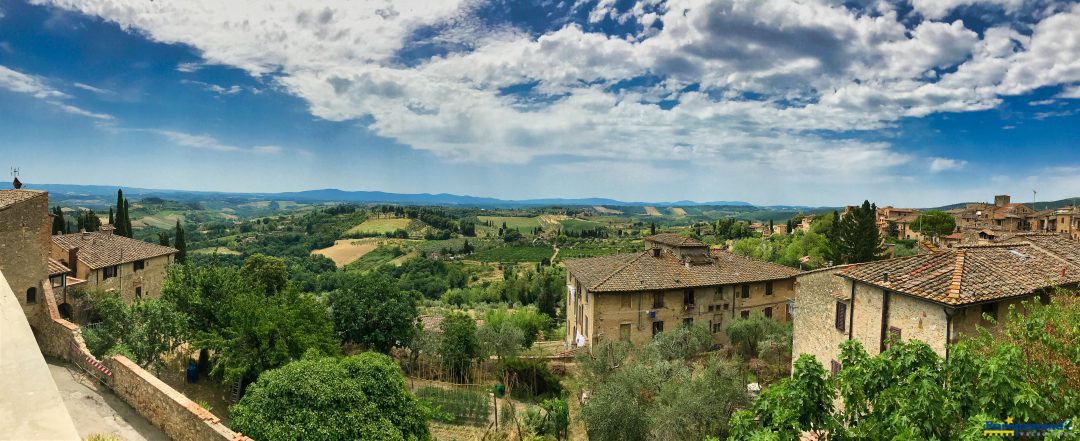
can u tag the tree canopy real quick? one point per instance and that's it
(322, 398)
(857, 238)
(372, 311)
(934, 224)
(142, 331)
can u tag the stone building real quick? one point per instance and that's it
(108, 262)
(934, 298)
(897, 222)
(25, 225)
(675, 280)
(1061, 220)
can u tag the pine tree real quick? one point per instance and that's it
(59, 226)
(163, 239)
(180, 243)
(857, 238)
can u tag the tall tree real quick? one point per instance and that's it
(934, 224)
(118, 222)
(857, 237)
(112, 218)
(373, 312)
(59, 226)
(128, 232)
(163, 239)
(180, 243)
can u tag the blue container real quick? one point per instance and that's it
(192, 373)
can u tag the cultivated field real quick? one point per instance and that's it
(678, 211)
(513, 254)
(652, 211)
(345, 251)
(578, 225)
(162, 221)
(383, 226)
(522, 224)
(604, 210)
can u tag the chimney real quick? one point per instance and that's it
(73, 260)
(85, 234)
(107, 229)
(656, 252)
(1002, 200)
(885, 277)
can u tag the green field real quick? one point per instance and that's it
(216, 250)
(578, 225)
(376, 258)
(522, 224)
(383, 226)
(513, 254)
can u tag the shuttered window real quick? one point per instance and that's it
(841, 316)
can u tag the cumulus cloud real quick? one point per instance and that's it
(1070, 92)
(945, 164)
(19, 82)
(751, 82)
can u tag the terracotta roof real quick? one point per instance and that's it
(56, 268)
(1057, 244)
(12, 197)
(675, 240)
(100, 250)
(643, 272)
(970, 274)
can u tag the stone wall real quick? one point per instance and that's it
(866, 319)
(24, 239)
(918, 319)
(815, 331)
(165, 407)
(176, 415)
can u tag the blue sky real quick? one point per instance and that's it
(919, 103)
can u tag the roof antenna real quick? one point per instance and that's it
(15, 174)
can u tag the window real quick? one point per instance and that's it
(712, 308)
(138, 292)
(138, 265)
(768, 288)
(746, 291)
(745, 314)
(627, 301)
(768, 312)
(841, 316)
(894, 332)
(990, 309)
(834, 367)
(657, 327)
(727, 306)
(31, 295)
(717, 328)
(688, 321)
(688, 297)
(624, 331)
(658, 300)
(108, 272)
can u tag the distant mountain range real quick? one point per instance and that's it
(335, 195)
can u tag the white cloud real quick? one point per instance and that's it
(34, 86)
(207, 142)
(90, 88)
(768, 75)
(1069, 92)
(188, 67)
(220, 90)
(945, 164)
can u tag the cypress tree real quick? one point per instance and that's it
(127, 220)
(163, 238)
(180, 243)
(112, 220)
(118, 222)
(58, 224)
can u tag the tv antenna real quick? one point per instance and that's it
(15, 172)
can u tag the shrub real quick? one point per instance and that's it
(530, 379)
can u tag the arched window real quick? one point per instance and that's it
(31, 295)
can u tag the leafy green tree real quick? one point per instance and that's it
(858, 238)
(267, 274)
(144, 330)
(503, 340)
(934, 224)
(527, 319)
(163, 239)
(180, 243)
(458, 346)
(359, 397)
(747, 334)
(802, 403)
(373, 312)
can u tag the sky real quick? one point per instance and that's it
(814, 102)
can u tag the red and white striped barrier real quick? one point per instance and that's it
(90, 360)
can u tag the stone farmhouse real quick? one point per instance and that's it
(935, 298)
(31, 327)
(676, 280)
(1062, 221)
(107, 262)
(897, 222)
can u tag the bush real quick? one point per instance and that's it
(529, 379)
(458, 406)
